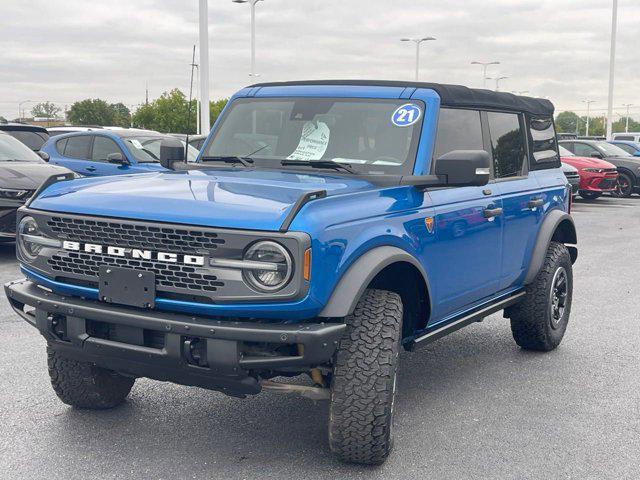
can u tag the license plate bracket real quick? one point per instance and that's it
(125, 286)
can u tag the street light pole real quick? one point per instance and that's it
(252, 3)
(484, 70)
(497, 79)
(626, 125)
(20, 114)
(417, 41)
(588, 102)
(204, 66)
(612, 64)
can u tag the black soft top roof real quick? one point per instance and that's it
(450, 95)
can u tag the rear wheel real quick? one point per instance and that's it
(84, 385)
(364, 380)
(624, 188)
(540, 320)
(590, 195)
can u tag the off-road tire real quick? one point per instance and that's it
(364, 380)
(531, 319)
(84, 385)
(590, 195)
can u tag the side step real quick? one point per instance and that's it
(476, 316)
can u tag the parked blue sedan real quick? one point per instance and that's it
(109, 152)
(633, 148)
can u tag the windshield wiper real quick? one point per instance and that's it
(247, 162)
(320, 164)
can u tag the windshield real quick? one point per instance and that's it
(146, 149)
(564, 152)
(611, 150)
(372, 136)
(14, 150)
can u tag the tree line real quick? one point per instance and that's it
(571, 122)
(169, 113)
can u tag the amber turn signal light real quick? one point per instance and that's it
(306, 271)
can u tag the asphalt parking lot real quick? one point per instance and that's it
(471, 405)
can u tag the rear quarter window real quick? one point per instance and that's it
(544, 144)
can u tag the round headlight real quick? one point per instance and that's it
(278, 266)
(28, 250)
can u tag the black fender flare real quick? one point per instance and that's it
(359, 275)
(555, 220)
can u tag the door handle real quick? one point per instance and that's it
(491, 212)
(91, 169)
(538, 202)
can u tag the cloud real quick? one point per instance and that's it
(63, 51)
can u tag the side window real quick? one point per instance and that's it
(507, 141)
(458, 130)
(583, 150)
(569, 146)
(60, 144)
(78, 147)
(626, 148)
(102, 147)
(544, 144)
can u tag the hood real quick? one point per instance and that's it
(27, 175)
(587, 162)
(243, 199)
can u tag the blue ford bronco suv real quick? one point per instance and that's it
(325, 226)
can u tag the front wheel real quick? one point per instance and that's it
(364, 380)
(590, 195)
(539, 321)
(624, 188)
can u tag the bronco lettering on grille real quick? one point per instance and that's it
(135, 253)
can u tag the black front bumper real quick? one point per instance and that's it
(158, 345)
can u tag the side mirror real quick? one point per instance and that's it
(465, 168)
(171, 152)
(596, 155)
(43, 155)
(459, 168)
(118, 158)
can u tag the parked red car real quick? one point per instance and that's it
(596, 176)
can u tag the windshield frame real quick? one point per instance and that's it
(407, 167)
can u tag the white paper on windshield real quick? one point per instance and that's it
(313, 143)
(136, 143)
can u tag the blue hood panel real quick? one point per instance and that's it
(243, 199)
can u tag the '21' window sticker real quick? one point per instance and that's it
(406, 115)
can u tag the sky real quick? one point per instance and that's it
(67, 50)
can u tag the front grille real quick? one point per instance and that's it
(168, 275)
(607, 183)
(8, 221)
(160, 237)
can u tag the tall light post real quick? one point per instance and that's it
(588, 102)
(612, 64)
(484, 70)
(253, 34)
(626, 125)
(20, 115)
(417, 41)
(204, 66)
(497, 79)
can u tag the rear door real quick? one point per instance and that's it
(73, 153)
(465, 257)
(519, 191)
